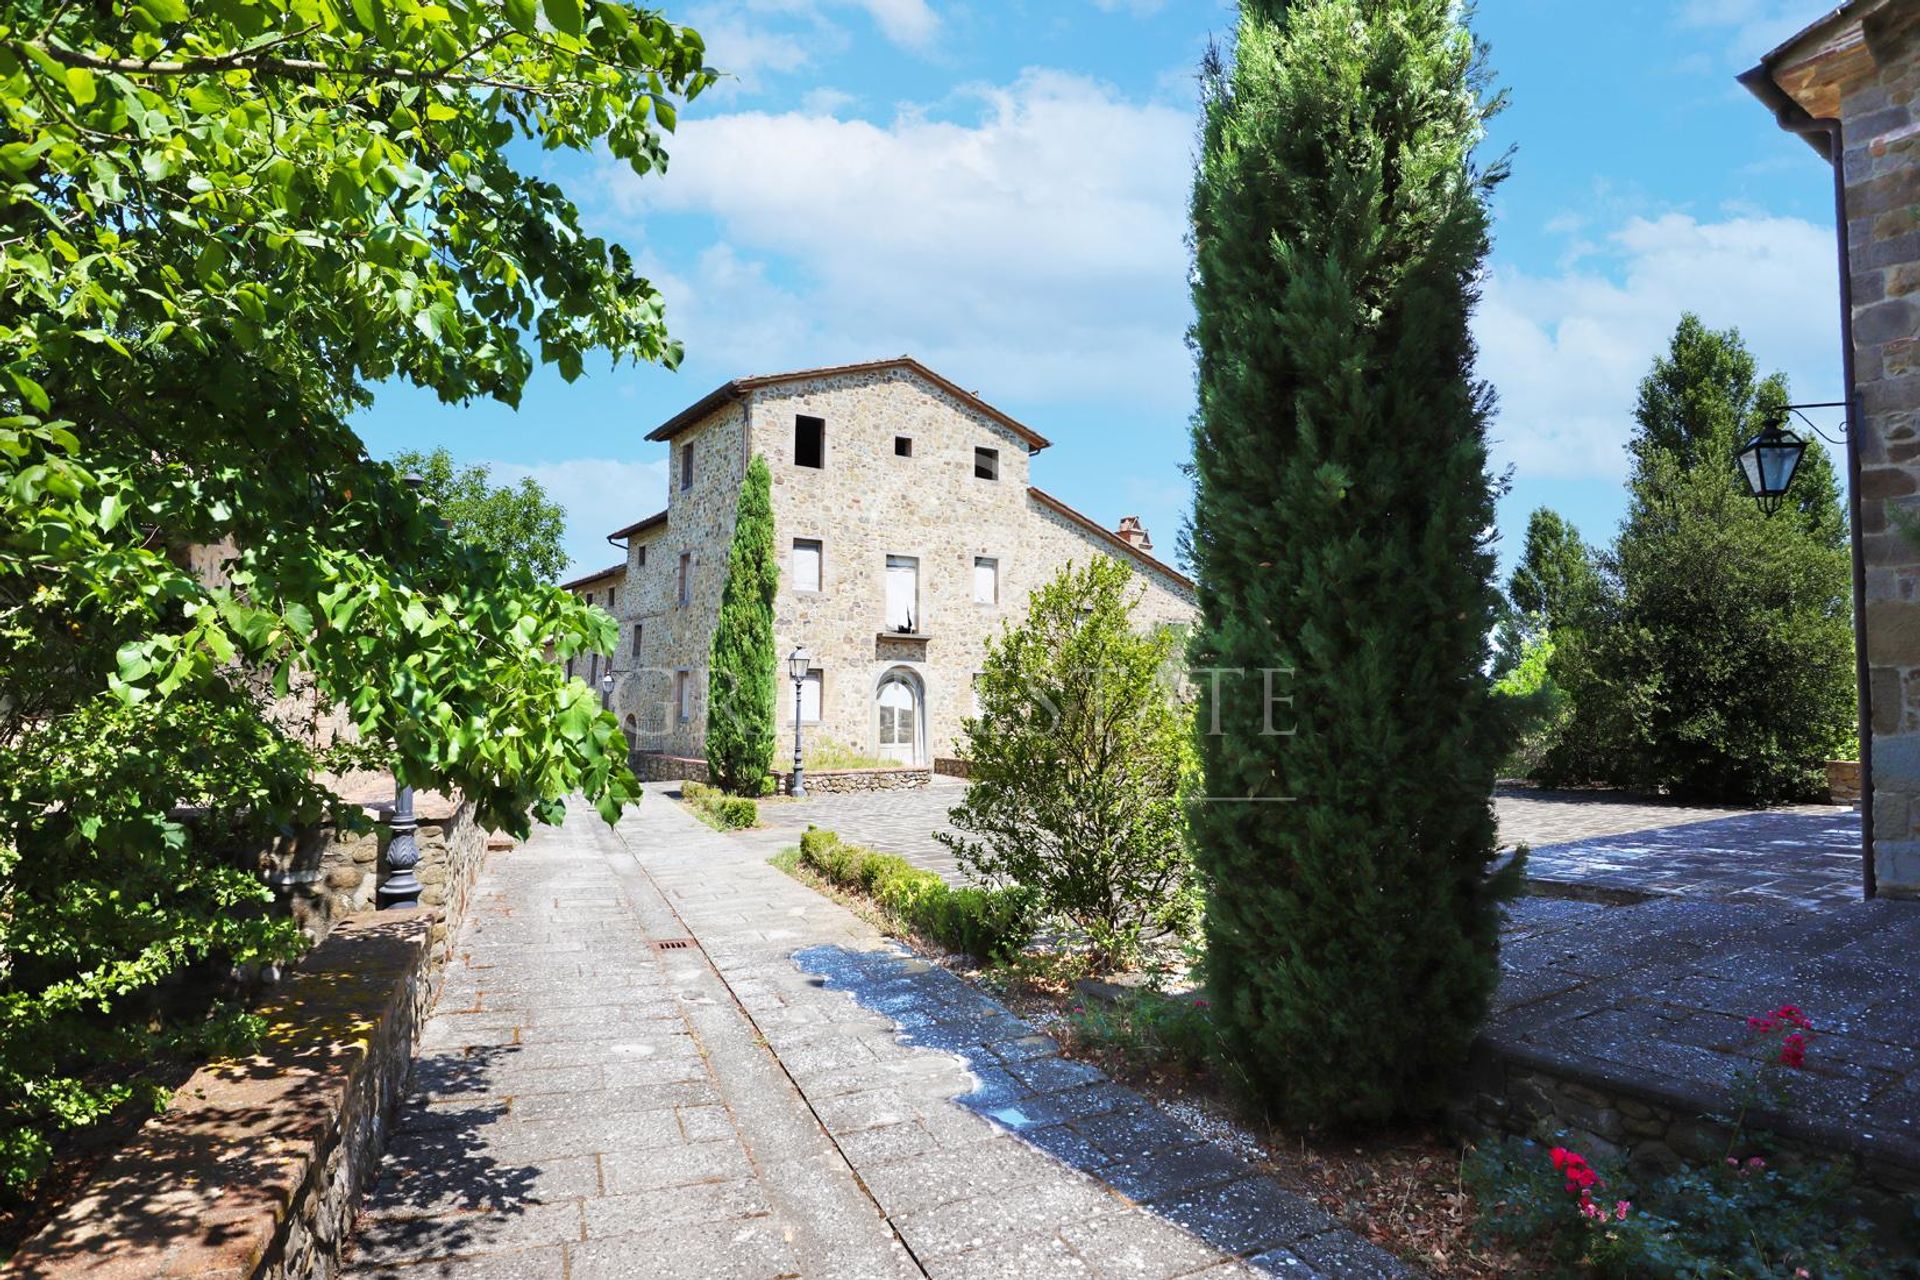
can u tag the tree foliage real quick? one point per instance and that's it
(1079, 759)
(1339, 527)
(743, 669)
(1718, 662)
(518, 521)
(223, 220)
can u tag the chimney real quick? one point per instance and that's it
(1134, 534)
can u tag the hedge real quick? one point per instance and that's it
(989, 924)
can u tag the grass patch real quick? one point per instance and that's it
(719, 810)
(827, 755)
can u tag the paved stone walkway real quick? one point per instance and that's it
(1654, 998)
(1805, 856)
(656, 1056)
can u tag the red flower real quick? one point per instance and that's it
(1579, 1174)
(1793, 1051)
(1760, 1024)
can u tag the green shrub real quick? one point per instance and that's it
(1741, 1218)
(1078, 759)
(1150, 1030)
(989, 924)
(718, 809)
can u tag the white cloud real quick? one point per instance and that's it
(1138, 8)
(599, 494)
(1755, 26)
(911, 23)
(1036, 250)
(748, 52)
(1566, 352)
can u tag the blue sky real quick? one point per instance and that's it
(999, 188)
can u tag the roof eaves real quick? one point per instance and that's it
(1094, 526)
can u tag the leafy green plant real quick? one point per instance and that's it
(1078, 760)
(989, 924)
(224, 223)
(741, 674)
(719, 810)
(1150, 1030)
(1345, 721)
(1730, 1220)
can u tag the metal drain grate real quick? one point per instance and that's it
(674, 944)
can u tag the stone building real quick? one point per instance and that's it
(1848, 85)
(601, 587)
(907, 530)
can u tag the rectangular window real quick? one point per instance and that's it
(810, 697)
(903, 594)
(809, 441)
(640, 556)
(610, 592)
(986, 580)
(903, 446)
(682, 696)
(686, 466)
(806, 564)
(986, 464)
(637, 634)
(589, 597)
(683, 590)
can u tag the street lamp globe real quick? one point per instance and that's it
(799, 662)
(1768, 463)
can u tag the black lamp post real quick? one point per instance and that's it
(799, 662)
(401, 889)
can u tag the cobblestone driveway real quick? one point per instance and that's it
(1807, 856)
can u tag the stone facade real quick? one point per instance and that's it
(1860, 65)
(872, 497)
(602, 587)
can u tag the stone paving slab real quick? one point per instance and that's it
(985, 1149)
(588, 1103)
(1654, 997)
(1615, 845)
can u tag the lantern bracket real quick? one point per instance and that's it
(1795, 410)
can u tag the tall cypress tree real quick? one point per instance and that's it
(1340, 531)
(740, 672)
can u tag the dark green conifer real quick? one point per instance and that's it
(1340, 531)
(741, 671)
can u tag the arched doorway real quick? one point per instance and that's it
(900, 715)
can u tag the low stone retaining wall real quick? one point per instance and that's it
(657, 766)
(256, 1169)
(325, 874)
(831, 782)
(952, 767)
(1653, 1128)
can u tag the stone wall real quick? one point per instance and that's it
(952, 767)
(325, 874)
(1880, 120)
(830, 782)
(255, 1171)
(657, 766)
(1654, 1132)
